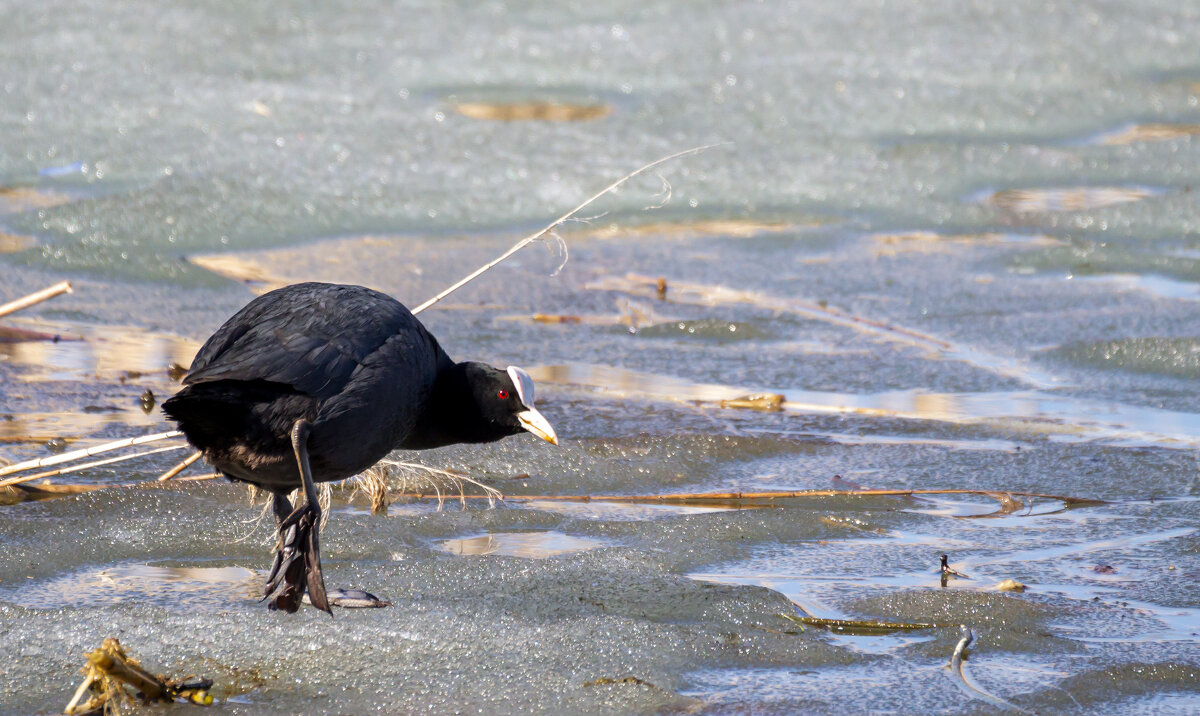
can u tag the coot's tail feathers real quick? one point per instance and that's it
(215, 415)
(206, 411)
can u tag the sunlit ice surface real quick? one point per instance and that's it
(958, 242)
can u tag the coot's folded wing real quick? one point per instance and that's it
(310, 336)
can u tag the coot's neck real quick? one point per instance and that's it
(450, 415)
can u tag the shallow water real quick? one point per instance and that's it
(959, 241)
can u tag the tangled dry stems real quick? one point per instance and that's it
(409, 477)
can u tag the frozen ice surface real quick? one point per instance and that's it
(1013, 181)
(493, 632)
(206, 127)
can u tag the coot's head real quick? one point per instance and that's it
(505, 401)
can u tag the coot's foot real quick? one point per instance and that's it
(297, 565)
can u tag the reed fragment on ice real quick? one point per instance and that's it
(112, 677)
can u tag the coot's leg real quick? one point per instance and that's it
(312, 548)
(298, 558)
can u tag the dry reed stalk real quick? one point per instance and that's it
(411, 475)
(200, 478)
(36, 297)
(180, 467)
(86, 452)
(84, 466)
(26, 493)
(372, 483)
(862, 626)
(1000, 495)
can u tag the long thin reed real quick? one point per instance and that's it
(86, 452)
(695, 497)
(554, 224)
(76, 468)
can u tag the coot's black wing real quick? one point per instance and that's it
(312, 337)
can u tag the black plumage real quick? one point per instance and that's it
(333, 377)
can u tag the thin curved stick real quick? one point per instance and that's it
(860, 626)
(554, 224)
(958, 660)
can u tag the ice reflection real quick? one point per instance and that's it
(105, 352)
(181, 587)
(615, 511)
(1161, 286)
(531, 545)
(1035, 412)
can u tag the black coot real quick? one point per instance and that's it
(317, 382)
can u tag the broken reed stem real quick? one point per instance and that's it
(198, 478)
(864, 625)
(75, 468)
(180, 467)
(732, 497)
(36, 297)
(85, 452)
(735, 496)
(79, 693)
(554, 224)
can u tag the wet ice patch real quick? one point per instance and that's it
(530, 545)
(1033, 412)
(1178, 357)
(176, 588)
(105, 352)
(1161, 286)
(705, 329)
(619, 511)
(880, 686)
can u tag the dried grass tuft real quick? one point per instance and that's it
(409, 478)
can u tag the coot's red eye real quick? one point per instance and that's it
(503, 395)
